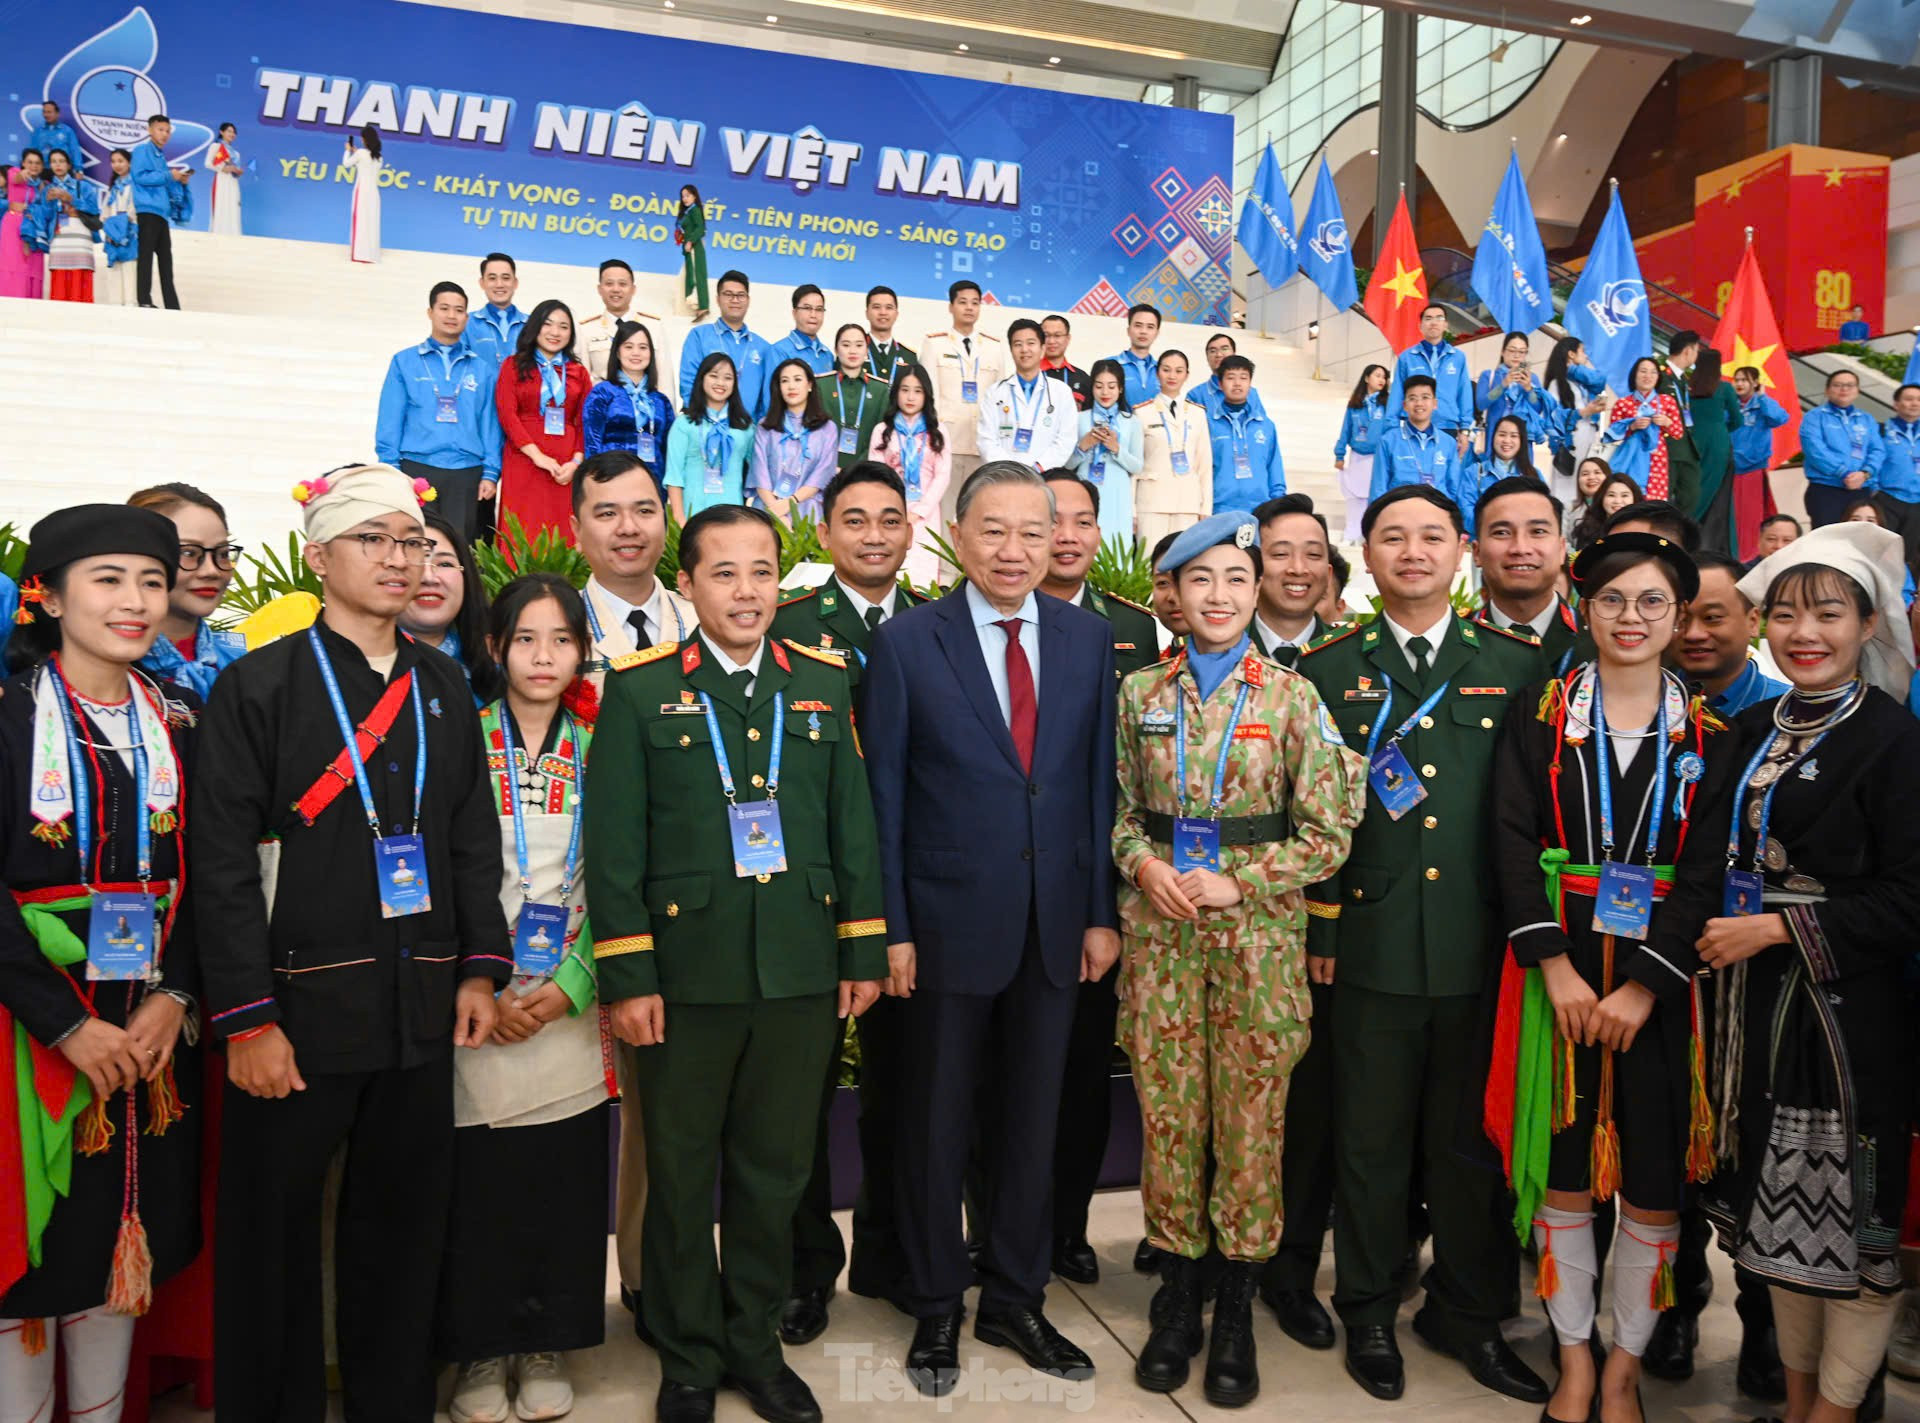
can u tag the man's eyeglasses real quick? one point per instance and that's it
(379, 546)
(223, 556)
(1652, 606)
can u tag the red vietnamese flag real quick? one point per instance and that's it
(1398, 288)
(1748, 335)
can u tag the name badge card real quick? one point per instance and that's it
(1741, 896)
(1196, 843)
(120, 938)
(1179, 462)
(716, 480)
(759, 848)
(539, 939)
(556, 419)
(400, 865)
(849, 440)
(1023, 439)
(646, 448)
(1393, 780)
(1624, 905)
(970, 391)
(446, 411)
(788, 481)
(1242, 465)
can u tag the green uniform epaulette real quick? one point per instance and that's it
(1528, 638)
(1329, 641)
(641, 658)
(816, 654)
(1128, 602)
(801, 596)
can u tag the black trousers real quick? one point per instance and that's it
(1015, 1043)
(819, 1253)
(458, 492)
(1086, 1105)
(397, 1127)
(1827, 503)
(879, 1263)
(156, 244)
(1306, 1160)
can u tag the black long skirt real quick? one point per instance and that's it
(526, 1262)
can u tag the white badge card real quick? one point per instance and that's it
(1179, 462)
(446, 410)
(400, 865)
(120, 938)
(849, 439)
(646, 448)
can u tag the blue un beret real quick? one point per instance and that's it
(1236, 527)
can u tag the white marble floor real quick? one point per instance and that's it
(854, 1368)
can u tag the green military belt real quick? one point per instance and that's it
(1234, 829)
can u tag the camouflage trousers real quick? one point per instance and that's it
(1214, 1027)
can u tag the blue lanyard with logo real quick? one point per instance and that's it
(1176, 448)
(540, 933)
(1744, 887)
(850, 434)
(593, 626)
(83, 791)
(759, 849)
(1196, 839)
(1025, 414)
(1623, 900)
(1388, 771)
(121, 943)
(403, 886)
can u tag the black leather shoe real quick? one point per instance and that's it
(1028, 1334)
(1491, 1362)
(1233, 1373)
(1177, 1330)
(1669, 1353)
(1374, 1362)
(1147, 1257)
(1302, 1317)
(683, 1403)
(804, 1319)
(632, 1299)
(783, 1398)
(1074, 1260)
(1759, 1374)
(933, 1359)
(1873, 1408)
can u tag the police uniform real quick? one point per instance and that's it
(748, 966)
(1410, 920)
(888, 363)
(827, 619)
(954, 361)
(594, 341)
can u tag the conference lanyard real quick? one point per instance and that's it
(840, 403)
(1603, 773)
(519, 814)
(1766, 801)
(720, 750)
(1386, 710)
(873, 349)
(1166, 429)
(353, 741)
(1226, 747)
(1025, 416)
(593, 620)
(83, 787)
(447, 354)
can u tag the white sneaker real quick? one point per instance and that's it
(1903, 1350)
(545, 1391)
(480, 1393)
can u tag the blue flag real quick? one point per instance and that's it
(1266, 224)
(1913, 364)
(1510, 263)
(1608, 309)
(1325, 254)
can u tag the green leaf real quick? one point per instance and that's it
(13, 551)
(514, 553)
(266, 576)
(1122, 568)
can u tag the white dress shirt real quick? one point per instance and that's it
(729, 666)
(664, 623)
(860, 604)
(993, 643)
(1276, 640)
(1434, 635)
(1538, 627)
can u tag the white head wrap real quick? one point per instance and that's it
(335, 502)
(1874, 558)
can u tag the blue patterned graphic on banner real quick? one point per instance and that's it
(499, 133)
(1266, 224)
(1510, 262)
(1608, 309)
(1326, 254)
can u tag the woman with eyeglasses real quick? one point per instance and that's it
(190, 652)
(1611, 788)
(449, 611)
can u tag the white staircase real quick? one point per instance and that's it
(273, 371)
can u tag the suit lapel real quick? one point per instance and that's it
(1385, 654)
(1456, 650)
(845, 623)
(1054, 672)
(711, 678)
(961, 644)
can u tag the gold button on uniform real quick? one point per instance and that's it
(673, 911)
(1427, 770)
(1432, 873)
(758, 779)
(1359, 894)
(1364, 728)
(753, 733)
(1426, 723)
(828, 899)
(1486, 723)
(813, 736)
(764, 879)
(686, 741)
(1431, 821)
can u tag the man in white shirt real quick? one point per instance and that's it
(595, 337)
(965, 364)
(1293, 552)
(1026, 417)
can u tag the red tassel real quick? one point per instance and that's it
(94, 1133)
(130, 1286)
(1606, 1161)
(1546, 1279)
(1663, 1290)
(163, 1103)
(33, 1336)
(1700, 1161)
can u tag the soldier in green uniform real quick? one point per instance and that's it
(1521, 550)
(735, 865)
(1236, 792)
(1294, 545)
(886, 357)
(868, 534)
(854, 398)
(1406, 929)
(1076, 539)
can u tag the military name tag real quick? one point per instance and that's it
(1483, 691)
(1196, 843)
(400, 868)
(680, 709)
(1741, 896)
(539, 939)
(1366, 694)
(1623, 905)
(120, 938)
(1253, 731)
(1394, 781)
(758, 846)
(1158, 721)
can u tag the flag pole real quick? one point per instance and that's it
(1318, 332)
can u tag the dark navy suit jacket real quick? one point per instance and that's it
(972, 846)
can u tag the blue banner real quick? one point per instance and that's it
(1326, 256)
(1510, 262)
(564, 143)
(1608, 309)
(1266, 224)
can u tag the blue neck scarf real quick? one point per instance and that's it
(793, 441)
(642, 399)
(553, 378)
(166, 663)
(1210, 669)
(716, 439)
(1110, 414)
(908, 430)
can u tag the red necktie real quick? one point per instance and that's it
(1023, 712)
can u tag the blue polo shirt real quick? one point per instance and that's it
(1247, 468)
(494, 331)
(1749, 689)
(1143, 377)
(1452, 389)
(751, 356)
(410, 426)
(1900, 475)
(797, 346)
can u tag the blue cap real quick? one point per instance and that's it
(1236, 527)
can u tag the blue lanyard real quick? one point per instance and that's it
(519, 815)
(1603, 773)
(1226, 748)
(840, 399)
(720, 749)
(447, 354)
(83, 787)
(353, 741)
(1166, 429)
(1766, 800)
(593, 619)
(1386, 710)
(1018, 389)
(874, 368)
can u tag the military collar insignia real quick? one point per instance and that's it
(1253, 671)
(690, 657)
(1469, 631)
(829, 598)
(1373, 634)
(1095, 601)
(780, 656)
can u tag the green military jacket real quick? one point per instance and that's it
(824, 619)
(1412, 911)
(1136, 636)
(1563, 637)
(670, 914)
(1288, 655)
(887, 365)
(855, 403)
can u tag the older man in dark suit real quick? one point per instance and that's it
(990, 753)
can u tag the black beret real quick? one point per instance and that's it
(90, 530)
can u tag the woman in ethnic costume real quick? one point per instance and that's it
(1813, 1081)
(99, 1196)
(1615, 782)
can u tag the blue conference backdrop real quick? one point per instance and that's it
(565, 143)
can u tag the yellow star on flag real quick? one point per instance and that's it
(1403, 284)
(1834, 176)
(1733, 188)
(1745, 355)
